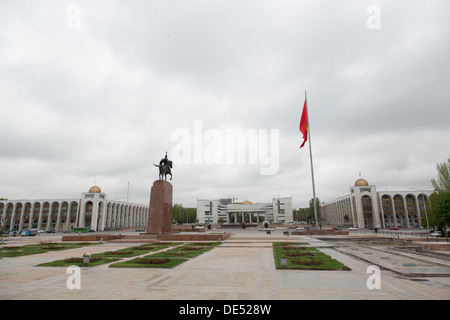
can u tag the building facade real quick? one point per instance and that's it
(365, 207)
(228, 211)
(92, 210)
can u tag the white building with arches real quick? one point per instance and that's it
(277, 211)
(365, 207)
(92, 210)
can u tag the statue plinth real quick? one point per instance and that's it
(160, 212)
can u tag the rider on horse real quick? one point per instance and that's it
(164, 168)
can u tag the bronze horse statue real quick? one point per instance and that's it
(164, 168)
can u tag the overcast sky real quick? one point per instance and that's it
(95, 92)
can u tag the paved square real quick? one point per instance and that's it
(236, 270)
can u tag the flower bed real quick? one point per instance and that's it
(77, 261)
(148, 262)
(309, 258)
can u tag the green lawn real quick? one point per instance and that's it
(95, 261)
(307, 258)
(166, 259)
(149, 262)
(123, 253)
(169, 258)
(186, 251)
(136, 250)
(38, 248)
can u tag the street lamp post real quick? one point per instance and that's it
(424, 204)
(426, 214)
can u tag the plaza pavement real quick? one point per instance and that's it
(242, 268)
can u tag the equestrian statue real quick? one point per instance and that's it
(164, 168)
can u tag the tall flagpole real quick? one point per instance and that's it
(311, 160)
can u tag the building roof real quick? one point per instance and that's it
(95, 189)
(361, 183)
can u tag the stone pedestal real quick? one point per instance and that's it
(160, 212)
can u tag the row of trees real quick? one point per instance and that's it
(184, 215)
(307, 214)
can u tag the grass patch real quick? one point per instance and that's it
(134, 251)
(38, 248)
(20, 251)
(166, 259)
(307, 258)
(75, 261)
(148, 247)
(122, 253)
(149, 262)
(183, 252)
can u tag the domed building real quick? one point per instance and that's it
(95, 189)
(361, 183)
(93, 210)
(365, 207)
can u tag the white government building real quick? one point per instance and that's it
(365, 207)
(277, 211)
(92, 210)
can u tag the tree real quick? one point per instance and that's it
(439, 202)
(183, 215)
(442, 184)
(301, 214)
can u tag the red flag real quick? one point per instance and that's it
(304, 125)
